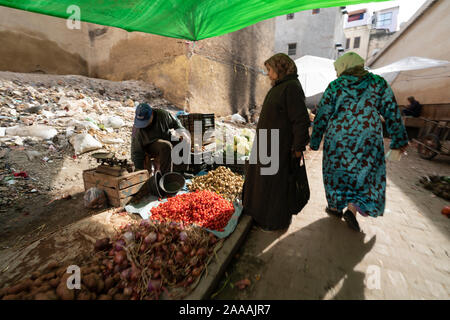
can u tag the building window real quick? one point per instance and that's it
(356, 17)
(292, 49)
(290, 16)
(384, 19)
(356, 42)
(316, 11)
(347, 43)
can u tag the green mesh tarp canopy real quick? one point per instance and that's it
(184, 19)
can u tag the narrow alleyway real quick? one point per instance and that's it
(403, 255)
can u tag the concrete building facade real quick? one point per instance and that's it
(221, 75)
(357, 40)
(366, 33)
(425, 35)
(378, 38)
(312, 32)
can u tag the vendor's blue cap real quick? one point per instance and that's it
(143, 115)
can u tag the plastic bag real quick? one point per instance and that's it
(31, 154)
(113, 122)
(394, 155)
(237, 118)
(39, 131)
(84, 142)
(95, 198)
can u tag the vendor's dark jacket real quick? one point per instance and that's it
(415, 109)
(265, 197)
(162, 122)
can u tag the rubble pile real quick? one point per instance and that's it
(51, 124)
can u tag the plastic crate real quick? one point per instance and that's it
(207, 119)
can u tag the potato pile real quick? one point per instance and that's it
(222, 181)
(51, 284)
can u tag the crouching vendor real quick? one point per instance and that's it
(151, 138)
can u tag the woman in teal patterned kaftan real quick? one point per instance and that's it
(348, 116)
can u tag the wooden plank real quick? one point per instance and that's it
(131, 190)
(112, 171)
(116, 202)
(133, 178)
(99, 179)
(121, 182)
(413, 122)
(114, 193)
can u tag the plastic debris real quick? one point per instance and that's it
(237, 118)
(31, 154)
(112, 140)
(113, 122)
(39, 131)
(84, 142)
(95, 198)
(22, 174)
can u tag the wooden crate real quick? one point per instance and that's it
(119, 190)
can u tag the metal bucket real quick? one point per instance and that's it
(153, 184)
(171, 183)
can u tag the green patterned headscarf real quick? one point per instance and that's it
(351, 64)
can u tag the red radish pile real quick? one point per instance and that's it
(204, 208)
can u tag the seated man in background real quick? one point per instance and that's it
(414, 108)
(151, 138)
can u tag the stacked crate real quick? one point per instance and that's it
(206, 152)
(207, 120)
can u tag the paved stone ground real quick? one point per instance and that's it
(403, 255)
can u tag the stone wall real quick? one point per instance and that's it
(35, 43)
(220, 75)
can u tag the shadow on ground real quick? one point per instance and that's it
(29, 222)
(405, 175)
(316, 262)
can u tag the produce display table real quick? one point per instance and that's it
(183, 261)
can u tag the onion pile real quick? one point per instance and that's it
(222, 181)
(154, 258)
(146, 261)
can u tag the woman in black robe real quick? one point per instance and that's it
(265, 196)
